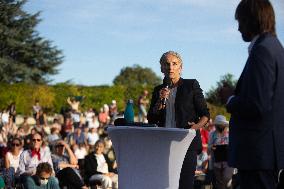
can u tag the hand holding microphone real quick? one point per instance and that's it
(164, 95)
(165, 92)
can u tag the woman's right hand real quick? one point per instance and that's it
(164, 93)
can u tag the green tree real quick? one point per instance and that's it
(24, 55)
(217, 110)
(136, 76)
(217, 95)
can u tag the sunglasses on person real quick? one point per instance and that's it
(16, 144)
(43, 178)
(36, 140)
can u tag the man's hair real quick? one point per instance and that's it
(163, 59)
(258, 16)
(43, 167)
(38, 133)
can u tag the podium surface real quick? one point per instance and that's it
(149, 157)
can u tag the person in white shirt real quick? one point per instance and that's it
(80, 151)
(99, 168)
(89, 115)
(5, 117)
(12, 157)
(36, 109)
(30, 158)
(94, 123)
(11, 162)
(92, 137)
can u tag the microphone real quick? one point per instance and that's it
(167, 84)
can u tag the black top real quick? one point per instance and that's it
(190, 106)
(91, 165)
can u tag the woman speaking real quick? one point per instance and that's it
(179, 103)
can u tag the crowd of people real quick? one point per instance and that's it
(212, 162)
(55, 154)
(75, 152)
(72, 151)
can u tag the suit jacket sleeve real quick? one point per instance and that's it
(254, 97)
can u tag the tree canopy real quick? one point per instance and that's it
(25, 56)
(216, 95)
(136, 75)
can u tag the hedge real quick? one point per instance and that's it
(53, 97)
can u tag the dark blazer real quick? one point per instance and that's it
(256, 139)
(91, 164)
(190, 105)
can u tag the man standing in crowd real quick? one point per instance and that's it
(256, 143)
(143, 102)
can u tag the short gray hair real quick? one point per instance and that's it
(163, 59)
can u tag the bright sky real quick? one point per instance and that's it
(100, 37)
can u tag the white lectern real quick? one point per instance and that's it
(149, 157)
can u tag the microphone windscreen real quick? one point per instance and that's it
(167, 81)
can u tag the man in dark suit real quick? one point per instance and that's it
(184, 107)
(256, 142)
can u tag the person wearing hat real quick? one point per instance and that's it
(217, 148)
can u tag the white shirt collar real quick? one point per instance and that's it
(252, 43)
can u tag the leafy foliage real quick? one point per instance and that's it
(53, 98)
(217, 110)
(217, 95)
(24, 55)
(134, 80)
(137, 76)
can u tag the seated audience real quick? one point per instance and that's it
(92, 137)
(67, 127)
(30, 158)
(66, 167)
(54, 136)
(11, 162)
(98, 168)
(80, 151)
(43, 178)
(77, 137)
(56, 124)
(94, 122)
